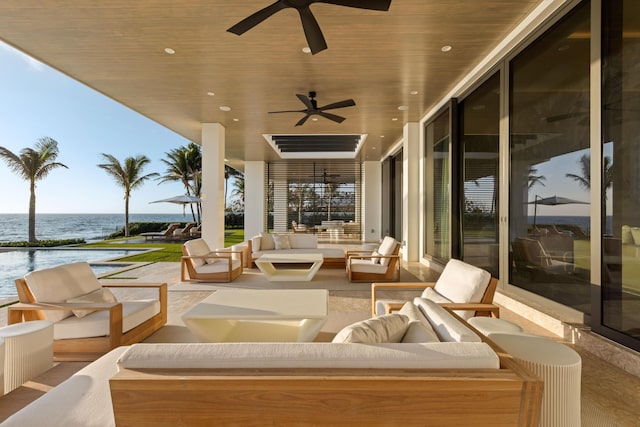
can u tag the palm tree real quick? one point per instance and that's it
(535, 179)
(228, 173)
(129, 176)
(584, 180)
(33, 164)
(184, 164)
(238, 188)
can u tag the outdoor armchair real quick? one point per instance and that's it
(200, 263)
(382, 264)
(88, 320)
(462, 287)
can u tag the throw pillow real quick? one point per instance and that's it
(99, 295)
(281, 241)
(419, 330)
(255, 243)
(375, 260)
(382, 329)
(266, 242)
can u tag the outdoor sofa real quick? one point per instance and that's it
(420, 366)
(275, 243)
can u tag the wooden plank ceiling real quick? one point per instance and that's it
(375, 58)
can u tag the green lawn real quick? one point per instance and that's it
(168, 251)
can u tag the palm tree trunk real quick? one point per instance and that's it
(126, 216)
(32, 212)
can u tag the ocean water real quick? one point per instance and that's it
(90, 227)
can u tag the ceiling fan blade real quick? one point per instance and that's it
(340, 104)
(312, 30)
(306, 101)
(253, 20)
(302, 120)
(288, 111)
(360, 4)
(333, 117)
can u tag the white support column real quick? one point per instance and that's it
(411, 192)
(213, 145)
(372, 201)
(254, 198)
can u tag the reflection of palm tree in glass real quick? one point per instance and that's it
(584, 180)
(535, 179)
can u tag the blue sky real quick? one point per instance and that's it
(37, 101)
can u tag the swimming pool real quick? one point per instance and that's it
(17, 263)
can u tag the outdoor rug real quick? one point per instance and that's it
(332, 279)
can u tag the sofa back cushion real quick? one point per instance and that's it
(387, 247)
(266, 242)
(462, 282)
(58, 284)
(382, 329)
(303, 241)
(448, 327)
(197, 247)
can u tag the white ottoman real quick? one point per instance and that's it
(488, 325)
(28, 351)
(558, 366)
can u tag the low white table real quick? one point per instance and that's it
(249, 315)
(267, 265)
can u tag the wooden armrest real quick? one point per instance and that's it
(64, 306)
(133, 285)
(358, 252)
(390, 307)
(375, 287)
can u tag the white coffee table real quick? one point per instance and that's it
(267, 265)
(249, 315)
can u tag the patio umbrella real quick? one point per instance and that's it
(183, 200)
(552, 201)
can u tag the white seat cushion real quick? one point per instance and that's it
(219, 266)
(366, 266)
(462, 282)
(96, 324)
(58, 284)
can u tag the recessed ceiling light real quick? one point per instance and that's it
(226, 160)
(373, 148)
(236, 120)
(211, 94)
(395, 119)
(403, 107)
(306, 49)
(315, 119)
(381, 136)
(225, 108)
(414, 92)
(446, 48)
(169, 50)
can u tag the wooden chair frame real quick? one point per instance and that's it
(188, 270)
(393, 268)
(484, 308)
(89, 349)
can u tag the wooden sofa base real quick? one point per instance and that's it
(157, 397)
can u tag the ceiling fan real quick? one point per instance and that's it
(313, 109)
(312, 31)
(327, 177)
